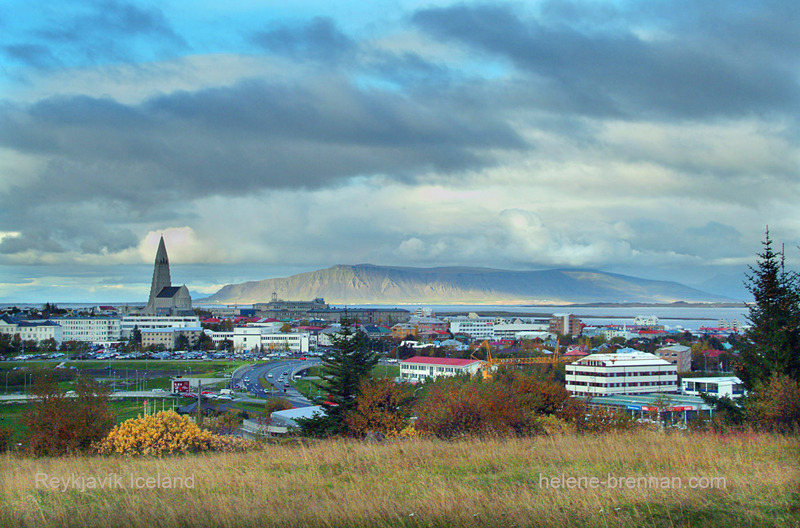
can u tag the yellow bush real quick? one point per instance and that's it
(165, 432)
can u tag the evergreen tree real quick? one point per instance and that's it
(772, 344)
(342, 372)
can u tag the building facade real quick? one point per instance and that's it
(729, 386)
(419, 368)
(264, 338)
(31, 330)
(678, 355)
(156, 322)
(476, 328)
(565, 324)
(98, 330)
(627, 373)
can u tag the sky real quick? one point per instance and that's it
(262, 139)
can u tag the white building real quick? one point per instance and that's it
(157, 322)
(476, 328)
(611, 333)
(645, 320)
(613, 374)
(97, 330)
(729, 386)
(419, 368)
(521, 331)
(264, 337)
(31, 330)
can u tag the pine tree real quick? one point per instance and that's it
(772, 344)
(350, 362)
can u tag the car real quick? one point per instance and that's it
(158, 390)
(188, 395)
(269, 375)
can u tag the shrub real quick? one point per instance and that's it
(775, 404)
(57, 425)
(162, 433)
(6, 435)
(457, 407)
(382, 406)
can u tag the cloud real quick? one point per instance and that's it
(99, 31)
(319, 40)
(623, 73)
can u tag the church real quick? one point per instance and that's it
(166, 299)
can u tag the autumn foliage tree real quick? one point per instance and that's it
(57, 424)
(382, 406)
(775, 404)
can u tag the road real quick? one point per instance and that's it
(279, 375)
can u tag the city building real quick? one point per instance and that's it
(678, 355)
(522, 331)
(31, 330)
(613, 374)
(263, 338)
(419, 368)
(166, 299)
(98, 330)
(565, 324)
(665, 408)
(427, 324)
(403, 330)
(729, 386)
(361, 315)
(478, 328)
(280, 309)
(155, 322)
(645, 320)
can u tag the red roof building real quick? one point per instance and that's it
(419, 368)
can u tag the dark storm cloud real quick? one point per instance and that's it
(152, 157)
(34, 239)
(94, 32)
(320, 39)
(690, 74)
(33, 55)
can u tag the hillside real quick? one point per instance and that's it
(369, 284)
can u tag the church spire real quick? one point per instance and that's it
(161, 278)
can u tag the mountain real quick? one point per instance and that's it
(369, 284)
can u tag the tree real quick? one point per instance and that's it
(182, 342)
(58, 425)
(382, 406)
(772, 344)
(775, 404)
(350, 361)
(135, 340)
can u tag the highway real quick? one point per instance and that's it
(279, 375)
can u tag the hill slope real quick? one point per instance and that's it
(369, 284)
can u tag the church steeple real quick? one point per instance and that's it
(161, 278)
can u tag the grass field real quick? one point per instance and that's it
(745, 480)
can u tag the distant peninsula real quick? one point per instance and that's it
(371, 284)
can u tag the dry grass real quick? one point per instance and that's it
(426, 483)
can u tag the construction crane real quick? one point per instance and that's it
(492, 362)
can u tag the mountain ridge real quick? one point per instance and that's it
(374, 284)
